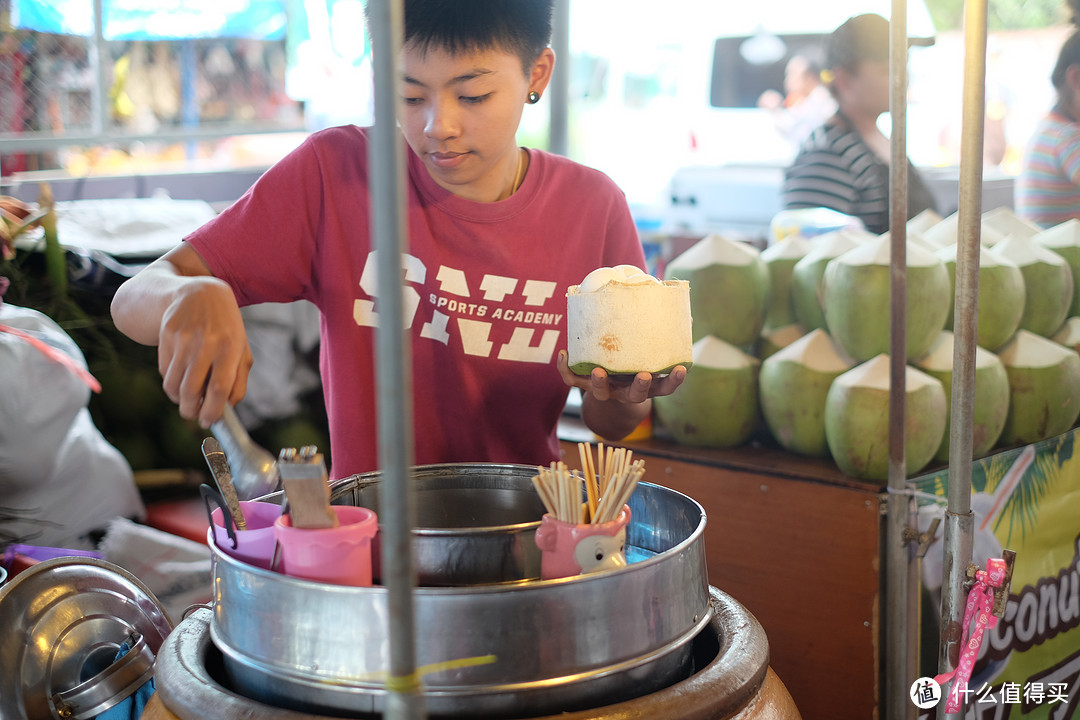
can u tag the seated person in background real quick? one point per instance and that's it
(807, 102)
(844, 164)
(1048, 189)
(60, 481)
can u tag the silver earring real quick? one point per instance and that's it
(534, 97)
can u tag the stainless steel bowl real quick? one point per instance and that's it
(549, 645)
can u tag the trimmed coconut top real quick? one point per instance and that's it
(1067, 234)
(834, 244)
(715, 250)
(1007, 222)
(940, 356)
(946, 232)
(1069, 334)
(712, 352)
(923, 221)
(986, 258)
(878, 252)
(620, 276)
(785, 335)
(1026, 349)
(874, 374)
(817, 351)
(792, 247)
(1024, 251)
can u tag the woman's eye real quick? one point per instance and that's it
(411, 100)
(474, 99)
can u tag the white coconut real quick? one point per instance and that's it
(1044, 382)
(1069, 334)
(625, 321)
(1006, 222)
(857, 419)
(923, 221)
(780, 258)
(717, 404)
(857, 299)
(1048, 283)
(730, 291)
(774, 339)
(793, 385)
(990, 395)
(807, 283)
(1001, 296)
(1064, 239)
(945, 233)
(913, 238)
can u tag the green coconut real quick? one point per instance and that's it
(1064, 239)
(775, 339)
(1044, 386)
(793, 385)
(1069, 334)
(1006, 222)
(1048, 283)
(945, 232)
(729, 289)
(780, 258)
(857, 299)
(1001, 296)
(857, 419)
(717, 404)
(807, 277)
(990, 396)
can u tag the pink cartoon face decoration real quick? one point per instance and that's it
(568, 549)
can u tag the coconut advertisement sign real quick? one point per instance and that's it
(1027, 500)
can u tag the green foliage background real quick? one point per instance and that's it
(1003, 14)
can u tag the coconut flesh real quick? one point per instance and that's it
(1001, 296)
(1048, 283)
(1006, 222)
(793, 385)
(945, 232)
(807, 277)
(923, 221)
(1069, 334)
(626, 321)
(780, 258)
(857, 419)
(775, 339)
(857, 299)
(990, 398)
(717, 404)
(730, 288)
(1044, 384)
(1064, 239)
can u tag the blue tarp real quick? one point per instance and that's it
(155, 19)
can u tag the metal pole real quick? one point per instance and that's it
(959, 520)
(559, 90)
(98, 51)
(900, 641)
(393, 363)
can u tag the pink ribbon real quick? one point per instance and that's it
(980, 602)
(56, 356)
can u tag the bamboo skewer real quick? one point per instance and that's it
(606, 485)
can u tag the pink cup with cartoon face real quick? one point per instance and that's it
(568, 549)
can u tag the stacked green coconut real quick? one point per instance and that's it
(792, 342)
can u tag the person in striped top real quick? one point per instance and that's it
(844, 164)
(1048, 189)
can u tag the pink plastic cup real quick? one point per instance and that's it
(255, 545)
(568, 549)
(339, 555)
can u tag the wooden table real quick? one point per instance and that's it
(798, 544)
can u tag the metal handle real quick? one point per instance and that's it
(111, 686)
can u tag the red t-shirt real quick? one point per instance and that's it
(486, 292)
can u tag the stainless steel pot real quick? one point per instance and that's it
(553, 645)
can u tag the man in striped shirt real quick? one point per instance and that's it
(1048, 189)
(844, 164)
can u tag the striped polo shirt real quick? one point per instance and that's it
(1048, 189)
(835, 169)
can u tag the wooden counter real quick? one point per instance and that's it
(798, 543)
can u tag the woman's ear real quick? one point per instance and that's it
(540, 74)
(1072, 79)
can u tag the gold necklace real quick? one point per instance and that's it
(518, 177)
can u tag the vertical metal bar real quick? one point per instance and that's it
(959, 520)
(559, 90)
(393, 363)
(98, 51)
(900, 642)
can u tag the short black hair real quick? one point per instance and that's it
(863, 38)
(521, 27)
(1068, 55)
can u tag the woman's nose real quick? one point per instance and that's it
(441, 122)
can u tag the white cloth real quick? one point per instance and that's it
(59, 478)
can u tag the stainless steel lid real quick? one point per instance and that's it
(64, 621)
